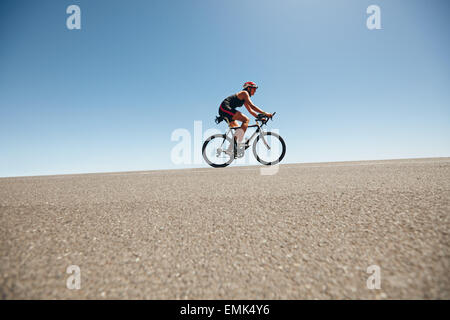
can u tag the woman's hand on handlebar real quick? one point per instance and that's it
(264, 116)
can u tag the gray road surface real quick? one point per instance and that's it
(310, 231)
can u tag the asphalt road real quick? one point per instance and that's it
(310, 231)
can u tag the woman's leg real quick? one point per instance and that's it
(245, 122)
(234, 124)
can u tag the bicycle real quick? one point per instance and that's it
(220, 150)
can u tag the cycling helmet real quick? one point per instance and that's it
(249, 84)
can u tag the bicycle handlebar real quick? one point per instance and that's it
(264, 118)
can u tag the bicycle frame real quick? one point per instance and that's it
(247, 142)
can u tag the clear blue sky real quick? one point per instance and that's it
(107, 97)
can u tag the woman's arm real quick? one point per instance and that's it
(250, 109)
(257, 109)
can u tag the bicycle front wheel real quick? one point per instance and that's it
(218, 151)
(269, 148)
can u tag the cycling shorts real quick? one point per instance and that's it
(227, 112)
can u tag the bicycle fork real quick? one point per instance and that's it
(261, 136)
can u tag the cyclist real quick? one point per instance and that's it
(228, 110)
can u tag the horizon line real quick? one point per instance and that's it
(243, 165)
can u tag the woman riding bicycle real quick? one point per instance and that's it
(228, 107)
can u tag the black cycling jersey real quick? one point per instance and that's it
(232, 102)
(227, 108)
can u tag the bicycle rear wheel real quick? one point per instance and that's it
(273, 152)
(217, 151)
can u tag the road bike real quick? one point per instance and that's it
(220, 150)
